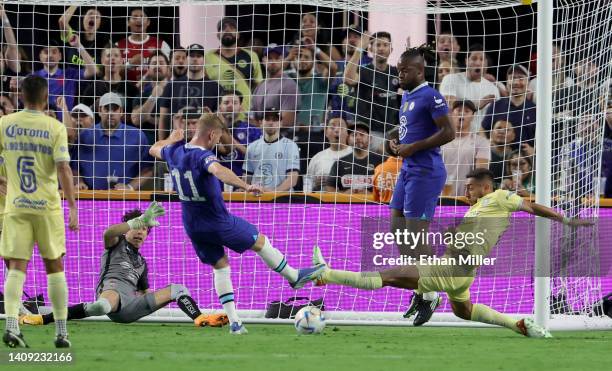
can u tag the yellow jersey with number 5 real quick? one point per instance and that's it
(31, 144)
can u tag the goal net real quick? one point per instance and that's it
(326, 70)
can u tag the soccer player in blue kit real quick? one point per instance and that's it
(196, 173)
(424, 127)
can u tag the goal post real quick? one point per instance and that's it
(543, 160)
(547, 145)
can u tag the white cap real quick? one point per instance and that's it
(111, 98)
(83, 108)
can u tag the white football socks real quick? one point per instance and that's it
(277, 261)
(225, 291)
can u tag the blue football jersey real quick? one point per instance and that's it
(418, 111)
(199, 191)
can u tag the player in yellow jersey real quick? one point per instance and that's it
(35, 152)
(2, 193)
(489, 213)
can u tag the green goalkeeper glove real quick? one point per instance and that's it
(147, 219)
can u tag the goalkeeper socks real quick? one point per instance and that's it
(58, 294)
(277, 261)
(13, 287)
(225, 291)
(360, 280)
(189, 306)
(484, 314)
(430, 296)
(82, 310)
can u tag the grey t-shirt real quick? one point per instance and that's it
(280, 93)
(123, 262)
(269, 163)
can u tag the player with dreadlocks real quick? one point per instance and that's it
(424, 127)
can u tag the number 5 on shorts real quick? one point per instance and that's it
(27, 176)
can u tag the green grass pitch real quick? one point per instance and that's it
(103, 346)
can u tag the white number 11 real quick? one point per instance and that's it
(194, 191)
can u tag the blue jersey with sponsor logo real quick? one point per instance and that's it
(418, 110)
(199, 191)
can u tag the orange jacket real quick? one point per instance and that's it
(385, 177)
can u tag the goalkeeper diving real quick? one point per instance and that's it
(123, 292)
(489, 213)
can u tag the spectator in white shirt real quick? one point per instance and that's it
(466, 152)
(471, 85)
(321, 163)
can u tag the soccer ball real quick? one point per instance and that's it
(309, 320)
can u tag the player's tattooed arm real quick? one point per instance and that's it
(444, 135)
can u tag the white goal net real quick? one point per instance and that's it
(327, 71)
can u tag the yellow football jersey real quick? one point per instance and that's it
(242, 73)
(490, 216)
(2, 197)
(31, 144)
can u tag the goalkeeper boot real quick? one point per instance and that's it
(62, 341)
(426, 309)
(31, 319)
(13, 340)
(317, 259)
(529, 328)
(415, 301)
(306, 275)
(238, 329)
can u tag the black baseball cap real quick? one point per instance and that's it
(465, 103)
(275, 48)
(226, 20)
(195, 49)
(190, 112)
(271, 112)
(360, 125)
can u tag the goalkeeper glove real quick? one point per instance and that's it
(147, 219)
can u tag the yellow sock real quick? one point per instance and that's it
(13, 289)
(58, 294)
(484, 314)
(360, 280)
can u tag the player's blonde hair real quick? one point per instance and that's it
(210, 121)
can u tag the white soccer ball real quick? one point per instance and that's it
(309, 320)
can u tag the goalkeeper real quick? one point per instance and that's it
(123, 292)
(489, 214)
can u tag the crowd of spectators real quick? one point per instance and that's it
(305, 115)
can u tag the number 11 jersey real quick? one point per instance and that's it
(199, 191)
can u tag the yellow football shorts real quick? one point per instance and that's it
(20, 232)
(443, 278)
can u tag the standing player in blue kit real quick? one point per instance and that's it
(424, 127)
(196, 172)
